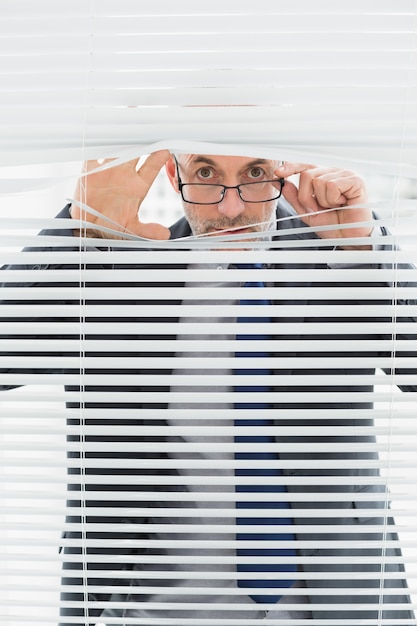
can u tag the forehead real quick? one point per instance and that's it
(224, 163)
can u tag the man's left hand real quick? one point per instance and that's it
(323, 188)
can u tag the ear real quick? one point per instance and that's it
(171, 171)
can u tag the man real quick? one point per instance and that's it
(230, 195)
(119, 192)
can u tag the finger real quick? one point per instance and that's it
(153, 165)
(327, 187)
(96, 164)
(291, 194)
(290, 169)
(339, 188)
(331, 195)
(156, 232)
(102, 165)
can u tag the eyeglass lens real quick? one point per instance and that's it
(262, 191)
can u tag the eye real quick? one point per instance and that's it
(256, 172)
(205, 173)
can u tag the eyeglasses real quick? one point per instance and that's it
(206, 193)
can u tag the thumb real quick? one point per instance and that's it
(153, 231)
(290, 193)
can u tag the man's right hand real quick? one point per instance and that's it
(117, 193)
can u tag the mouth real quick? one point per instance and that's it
(231, 231)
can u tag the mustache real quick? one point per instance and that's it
(228, 224)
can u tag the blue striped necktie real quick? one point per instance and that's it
(267, 562)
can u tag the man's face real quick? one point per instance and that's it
(232, 213)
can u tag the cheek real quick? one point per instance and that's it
(266, 211)
(194, 217)
(190, 213)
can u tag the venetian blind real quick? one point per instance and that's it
(118, 357)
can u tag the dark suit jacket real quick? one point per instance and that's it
(321, 416)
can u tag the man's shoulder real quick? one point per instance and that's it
(289, 224)
(287, 216)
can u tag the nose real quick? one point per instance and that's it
(232, 205)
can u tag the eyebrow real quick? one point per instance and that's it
(209, 161)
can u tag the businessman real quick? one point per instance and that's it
(239, 196)
(118, 193)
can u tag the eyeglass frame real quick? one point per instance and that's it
(181, 185)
